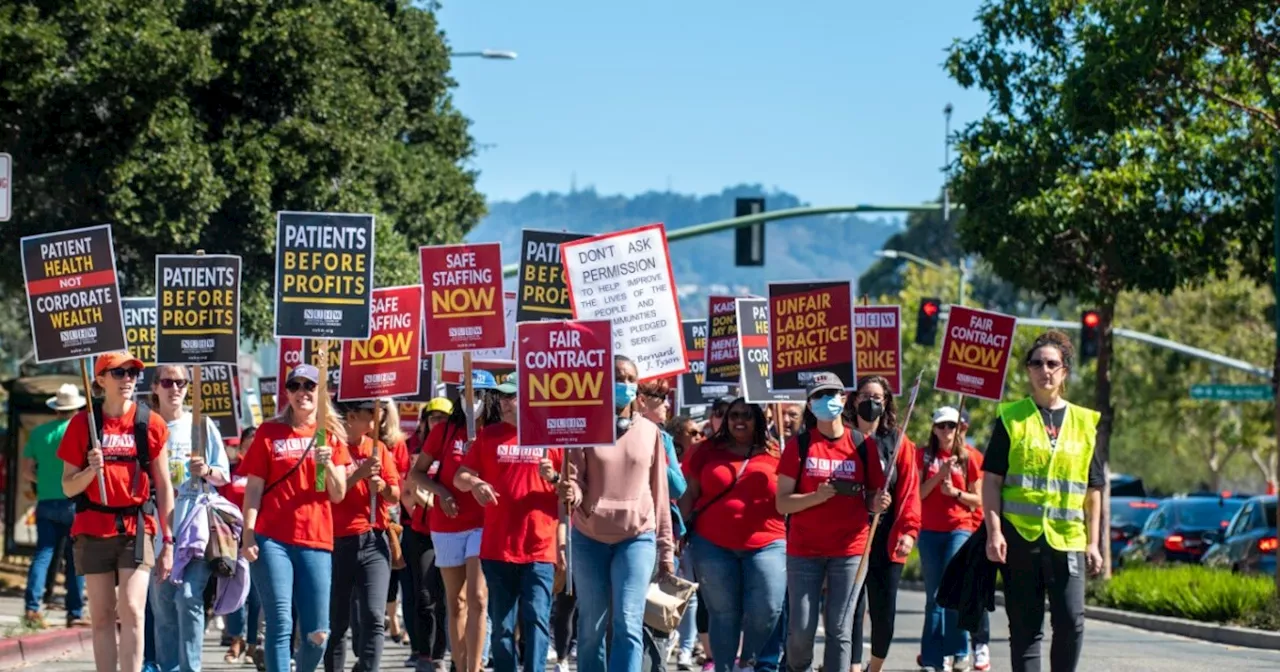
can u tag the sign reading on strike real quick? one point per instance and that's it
(73, 298)
(268, 388)
(975, 353)
(565, 374)
(386, 365)
(877, 330)
(811, 331)
(464, 285)
(753, 348)
(626, 277)
(722, 363)
(199, 302)
(543, 294)
(218, 398)
(324, 275)
(140, 333)
(692, 384)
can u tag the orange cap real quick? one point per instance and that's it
(112, 360)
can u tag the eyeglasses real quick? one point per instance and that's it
(120, 372)
(170, 383)
(946, 425)
(870, 397)
(741, 415)
(1049, 364)
(693, 432)
(295, 385)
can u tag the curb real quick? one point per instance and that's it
(1216, 633)
(28, 649)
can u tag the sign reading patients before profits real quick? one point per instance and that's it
(73, 298)
(753, 348)
(199, 309)
(218, 398)
(386, 365)
(811, 331)
(626, 277)
(877, 332)
(463, 307)
(543, 294)
(268, 388)
(324, 275)
(975, 353)
(140, 333)
(565, 393)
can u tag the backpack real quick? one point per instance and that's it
(141, 441)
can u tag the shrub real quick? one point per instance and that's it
(1187, 591)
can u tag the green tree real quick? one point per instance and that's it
(189, 123)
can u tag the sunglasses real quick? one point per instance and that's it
(1049, 364)
(170, 383)
(946, 425)
(120, 373)
(741, 415)
(295, 385)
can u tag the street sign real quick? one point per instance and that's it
(6, 186)
(1212, 392)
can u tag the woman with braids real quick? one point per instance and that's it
(1042, 494)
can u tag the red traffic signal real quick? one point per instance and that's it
(1090, 335)
(1090, 318)
(929, 308)
(927, 321)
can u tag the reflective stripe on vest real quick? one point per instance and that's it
(1049, 484)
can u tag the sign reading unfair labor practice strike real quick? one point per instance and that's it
(626, 277)
(324, 275)
(199, 309)
(73, 298)
(565, 374)
(877, 332)
(543, 294)
(464, 297)
(140, 333)
(753, 348)
(811, 330)
(975, 353)
(721, 360)
(386, 365)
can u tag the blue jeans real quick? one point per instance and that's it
(805, 580)
(770, 657)
(289, 576)
(243, 622)
(942, 635)
(524, 589)
(689, 622)
(53, 523)
(179, 618)
(612, 579)
(744, 592)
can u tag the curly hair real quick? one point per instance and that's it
(1056, 339)
(761, 437)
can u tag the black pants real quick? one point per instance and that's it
(1032, 571)
(881, 592)
(703, 618)
(361, 570)
(429, 603)
(564, 624)
(983, 634)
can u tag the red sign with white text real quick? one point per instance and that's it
(975, 353)
(463, 307)
(565, 388)
(721, 359)
(388, 364)
(877, 335)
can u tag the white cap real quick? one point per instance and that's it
(946, 414)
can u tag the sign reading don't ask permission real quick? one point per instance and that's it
(73, 297)
(198, 297)
(324, 275)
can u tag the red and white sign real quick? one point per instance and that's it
(877, 334)
(565, 374)
(6, 187)
(975, 353)
(289, 356)
(626, 277)
(389, 363)
(463, 307)
(504, 356)
(721, 358)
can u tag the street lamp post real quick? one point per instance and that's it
(491, 54)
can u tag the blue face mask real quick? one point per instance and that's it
(826, 408)
(623, 394)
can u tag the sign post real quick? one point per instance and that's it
(6, 187)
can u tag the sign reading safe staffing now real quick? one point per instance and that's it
(877, 331)
(722, 362)
(811, 330)
(386, 365)
(199, 309)
(140, 332)
(565, 393)
(693, 388)
(464, 306)
(753, 348)
(218, 398)
(73, 298)
(324, 275)
(543, 293)
(975, 353)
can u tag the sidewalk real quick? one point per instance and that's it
(20, 645)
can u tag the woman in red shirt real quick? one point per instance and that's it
(951, 478)
(294, 480)
(738, 537)
(114, 538)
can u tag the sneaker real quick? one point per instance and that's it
(411, 661)
(946, 664)
(684, 660)
(551, 654)
(982, 658)
(77, 621)
(259, 657)
(573, 651)
(562, 666)
(33, 619)
(960, 663)
(708, 665)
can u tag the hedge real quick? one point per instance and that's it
(1190, 591)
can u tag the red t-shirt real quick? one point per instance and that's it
(293, 512)
(447, 445)
(120, 465)
(233, 491)
(838, 527)
(351, 515)
(940, 513)
(521, 526)
(747, 517)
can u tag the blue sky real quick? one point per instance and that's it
(836, 101)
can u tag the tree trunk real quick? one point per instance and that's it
(1106, 314)
(1275, 371)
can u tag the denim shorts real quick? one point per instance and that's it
(453, 548)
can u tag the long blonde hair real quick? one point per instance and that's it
(333, 423)
(390, 433)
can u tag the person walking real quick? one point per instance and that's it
(1042, 493)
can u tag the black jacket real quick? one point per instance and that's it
(969, 582)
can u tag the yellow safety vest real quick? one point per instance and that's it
(1044, 490)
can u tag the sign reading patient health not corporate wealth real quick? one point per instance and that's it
(463, 306)
(753, 348)
(140, 333)
(386, 365)
(73, 298)
(877, 332)
(626, 277)
(199, 309)
(565, 391)
(722, 363)
(542, 292)
(324, 275)
(975, 353)
(811, 330)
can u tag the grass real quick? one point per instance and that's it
(1192, 592)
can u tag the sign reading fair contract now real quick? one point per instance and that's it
(626, 277)
(386, 365)
(199, 309)
(73, 298)
(975, 353)
(463, 304)
(324, 275)
(565, 374)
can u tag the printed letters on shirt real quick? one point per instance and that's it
(823, 468)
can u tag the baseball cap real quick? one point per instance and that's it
(305, 372)
(946, 414)
(508, 384)
(115, 360)
(482, 380)
(823, 381)
(440, 405)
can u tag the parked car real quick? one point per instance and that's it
(1181, 530)
(1124, 485)
(1249, 543)
(1128, 515)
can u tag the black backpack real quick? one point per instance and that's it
(141, 422)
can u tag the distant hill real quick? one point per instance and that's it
(797, 249)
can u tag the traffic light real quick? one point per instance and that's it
(1090, 335)
(749, 240)
(927, 321)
